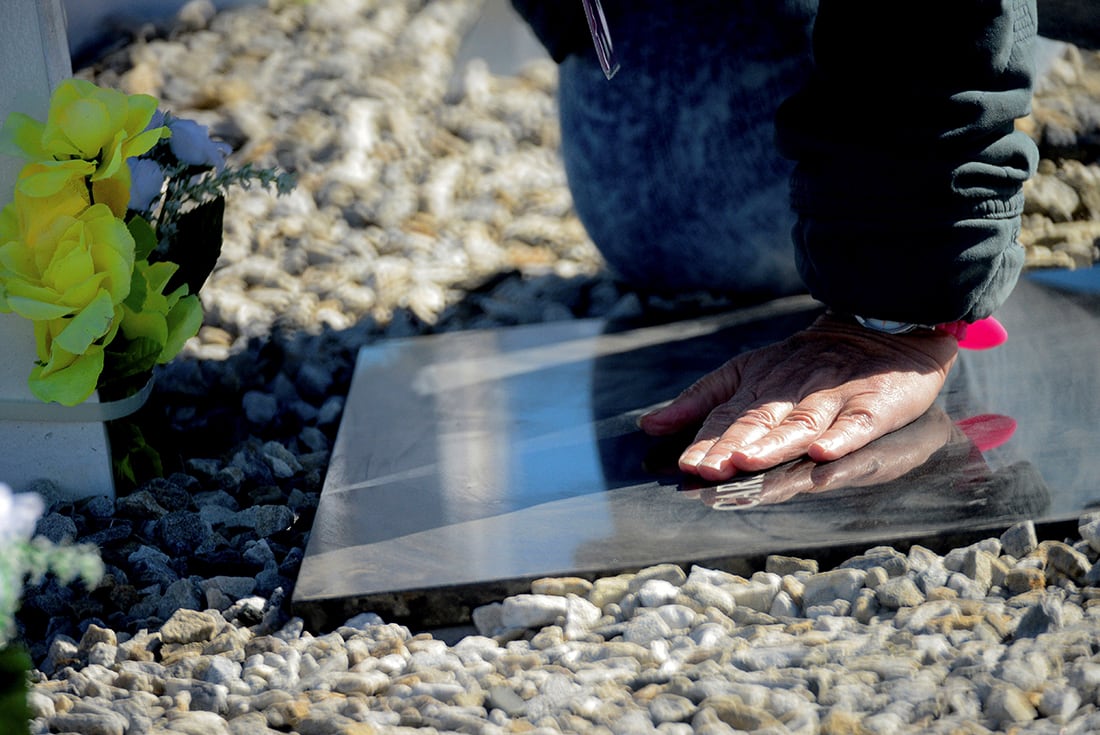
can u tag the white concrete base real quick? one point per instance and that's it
(73, 456)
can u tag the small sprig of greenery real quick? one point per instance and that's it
(195, 172)
(27, 560)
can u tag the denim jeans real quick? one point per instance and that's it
(672, 163)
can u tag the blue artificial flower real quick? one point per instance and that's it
(191, 144)
(146, 183)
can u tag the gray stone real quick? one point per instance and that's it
(670, 573)
(140, 505)
(1059, 701)
(533, 611)
(100, 506)
(313, 439)
(1020, 539)
(198, 723)
(646, 628)
(169, 494)
(90, 723)
(1055, 198)
(826, 587)
(783, 606)
(331, 411)
(235, 588)
(978, 565)
(1088, 526)
(182, 531)
(1042, 617)
(259, 408)
(1006, 704)
(229, 478)
(1065, 559)
(676, 616)
(505, 699)
(875, 577)
(266, 520)
(96, 634)
(671, 708)
(657, 592)
(40, 704)
(189, 626)
(782, 565)
(102, 654)
(899, 592)
(179, 595)
(56, 527)
(1084, 676)
(222, 670)
(259, 553)
(754, 595)
(487, 618)
(866, 605)
(894, 562)
(151, 566)
(283, 462)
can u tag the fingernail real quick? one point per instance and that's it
(692, 459)
(713, 463)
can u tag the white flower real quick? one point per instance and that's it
(19, 514)
(146, 183)
(191, 144)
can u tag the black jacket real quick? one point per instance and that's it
(908, 172)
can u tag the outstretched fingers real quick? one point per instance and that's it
(750, 439)
(692, 406)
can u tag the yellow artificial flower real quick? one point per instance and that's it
(63, 376)
(71, 282)
(46, 197)
(89, 123)
(63, 271)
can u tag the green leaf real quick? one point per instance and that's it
(184, 321)
(14, 714)
(141, 461)
(197, 245)
(139, 290)
(135, 357)
(145, 237)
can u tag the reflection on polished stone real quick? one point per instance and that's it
(469, 462)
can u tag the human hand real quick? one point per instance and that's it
(823, 392)
(882, 461)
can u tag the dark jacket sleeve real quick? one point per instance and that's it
(908, 173)
(561, 26)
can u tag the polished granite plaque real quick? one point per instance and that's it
(470, 463)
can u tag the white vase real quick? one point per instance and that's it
(65, 446)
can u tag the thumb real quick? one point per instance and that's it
(693, 405)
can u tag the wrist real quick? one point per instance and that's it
(979, 335)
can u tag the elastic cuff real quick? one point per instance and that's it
(983, 334)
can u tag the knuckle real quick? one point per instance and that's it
(762, 416)
(809, 420)
(858, 421)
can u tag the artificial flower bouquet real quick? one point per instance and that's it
(115, 225)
